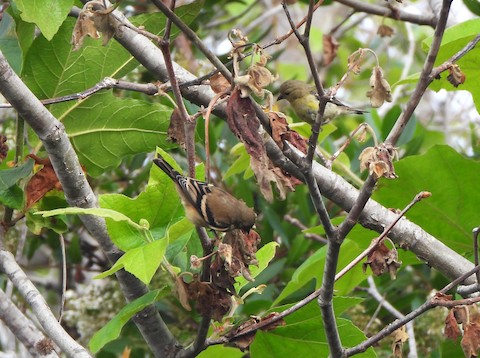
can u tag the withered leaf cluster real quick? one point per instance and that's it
(233, 256)
(468, 318)
(379, 161)
(382, 260)
(244, 123)
(94, 18)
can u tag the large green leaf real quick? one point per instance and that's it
(112, 329)
(451, 212)
(455, 38)
(142, 262)
(304, 335)
(103, 128)
(10, 193)
(312, 269)
(159, 205)
(46, 14)
(9, 43)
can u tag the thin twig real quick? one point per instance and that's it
(475, 233)
(379, 239)
(64, 277)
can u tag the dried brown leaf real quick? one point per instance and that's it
(380, 89)
(94, 18)
(176, 129)
(381, 260)
(451, 330)
(3, 147)
(42, 182)
(456, 76)
(385, 31)
(471, 339)
(182, 293)
(219, 83)
(400, 336)
(379, 161)
(330, 48)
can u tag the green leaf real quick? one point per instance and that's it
(104, 129)
(312, 269)
(112, 329)
(473, 6)
(159, 204)
(12, 197)
(219, 351)
(264, 256)
(9, 43)
(47, 15)
(451, 212)
(454, 39)
(304, 335)
(104, 213)
(9, 177)
(142, 262)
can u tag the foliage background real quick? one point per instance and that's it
(116, 132)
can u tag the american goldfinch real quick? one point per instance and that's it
(207, 205)
(304, 100)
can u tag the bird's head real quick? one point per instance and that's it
(294, 89)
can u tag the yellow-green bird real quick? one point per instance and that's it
(304, 100)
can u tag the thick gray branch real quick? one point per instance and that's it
(42, 311)
(79, 193)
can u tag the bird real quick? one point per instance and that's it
(305, 101)
(208, 205)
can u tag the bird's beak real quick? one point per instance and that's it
(280, 96)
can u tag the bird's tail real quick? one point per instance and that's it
(167, 168)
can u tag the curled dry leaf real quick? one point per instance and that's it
(256, 79)
(379, 161)
(461, 314)
(3, 147)
(182, 293)
(330, 48)
(94, 18)
(456, 76)
(380, 89)
(381, 260)
(176, 128)
(219, 83)
(209, 299)
(42, 182)
(471, 339)
(385, 31)
(451, 329)
(243, 122)
(281, 132)
(195, 262)
(354, 61)
(400, 336)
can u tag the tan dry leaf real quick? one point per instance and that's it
(176, 128)
(330, 48)
(381, 260)
(94, 18)
(3, 147)
(380, 89)
(354, 61)
(471, 339)
(400, 336)
(42, 182)
(182, 293)
(219, 83)
(456, 76)
(451, 329)
(379, 161)
(385, 31)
